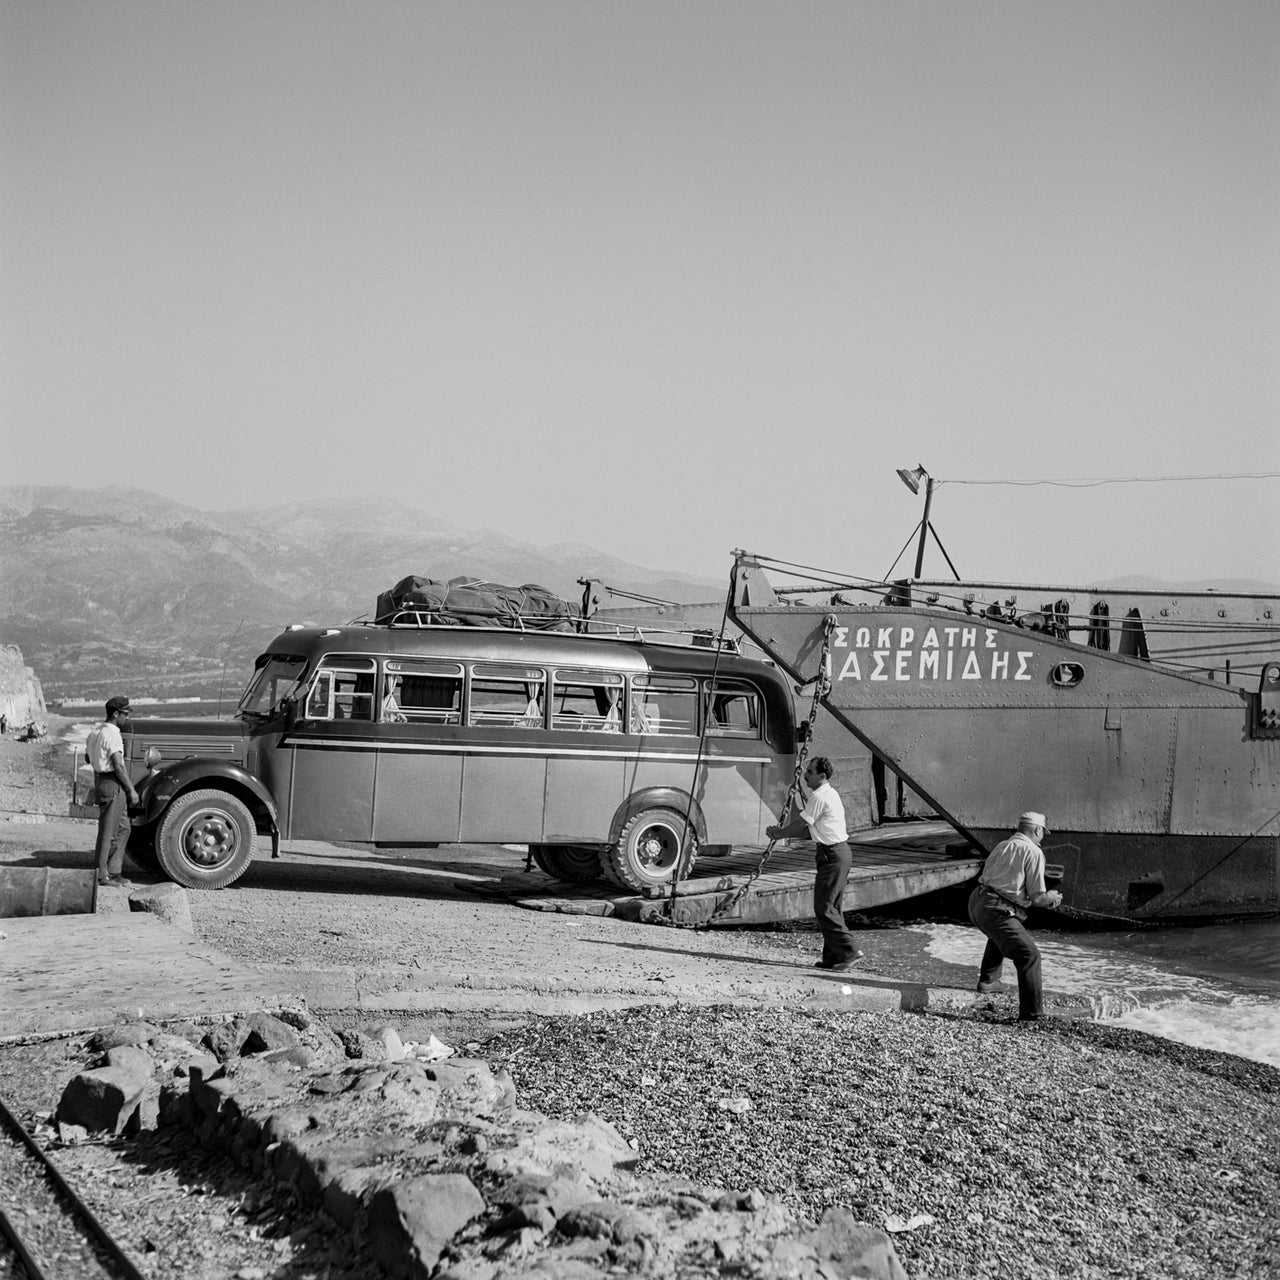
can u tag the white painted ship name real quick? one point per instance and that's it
(937, 653)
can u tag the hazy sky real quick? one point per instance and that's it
(663, 278)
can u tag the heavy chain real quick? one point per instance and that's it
(821, 687)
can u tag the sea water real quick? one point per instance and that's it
(1214, 986)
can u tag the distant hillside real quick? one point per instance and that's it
(103, 588)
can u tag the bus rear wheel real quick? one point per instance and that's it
(205, 840)
(648, 849)
(579, 863)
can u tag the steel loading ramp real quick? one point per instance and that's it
(890, 864)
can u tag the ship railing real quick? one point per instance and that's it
(1208, 648)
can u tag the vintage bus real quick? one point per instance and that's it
(618, 756)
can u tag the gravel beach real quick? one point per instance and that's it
(1062, 1149)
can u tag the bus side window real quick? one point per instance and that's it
(418, 690)
(735, 713)
(509, 697)
(586, 700)
(320, 699)
(353, 696)
(664, 706)
(342, 690)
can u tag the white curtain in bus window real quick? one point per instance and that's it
(512, 697)
(422, 692)
(664, 705)
(590, 700)
(735, 710)
(342, 690)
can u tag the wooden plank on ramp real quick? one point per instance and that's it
(78, 972)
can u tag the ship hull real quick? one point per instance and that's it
(1162, 792)
(1127, 878)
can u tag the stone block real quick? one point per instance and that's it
(410, 1223)
(288, 1122)
(468, 1086)
(609, 1219)
(585, 1147)
(131, 1056)
(202, 1067)
(102, 1100)
(167, 901)
(347, 1191)
(392, 1047)
(136, 1033)
(265, 1033)
(851, 1248)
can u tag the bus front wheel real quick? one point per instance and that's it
(142, 847)
(579, 863)
(648, 849)
(205, 840)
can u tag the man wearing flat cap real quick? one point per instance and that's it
(114, 791)
(1012, 882)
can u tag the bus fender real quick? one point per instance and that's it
(159, 789)
(659, 798)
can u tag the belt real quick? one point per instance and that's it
(1004, 897)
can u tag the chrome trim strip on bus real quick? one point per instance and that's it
(466, 749)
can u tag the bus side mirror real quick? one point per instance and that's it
(290, 708)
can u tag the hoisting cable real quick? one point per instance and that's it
(821, 687)
(682, 856)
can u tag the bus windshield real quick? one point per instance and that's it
(276, 676)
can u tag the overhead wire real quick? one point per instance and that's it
(1094, 482)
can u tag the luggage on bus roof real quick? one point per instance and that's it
(476, 603)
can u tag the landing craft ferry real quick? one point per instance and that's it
(1157, 763)
(620, 754)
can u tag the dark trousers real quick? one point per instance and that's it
(834, 861)
(1008, 939)
(113, 825)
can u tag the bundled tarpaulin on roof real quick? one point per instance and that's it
(472, 602)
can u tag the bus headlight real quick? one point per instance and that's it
(153, 757)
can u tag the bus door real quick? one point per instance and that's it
(666, 710)
(504, 770)
(738, 760)
(418, 789)
(587, 757)
(334, 744)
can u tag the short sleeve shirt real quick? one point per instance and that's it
(102, 743)
(1016, 869)
(824, 813)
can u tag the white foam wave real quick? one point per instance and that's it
(1247, 1027)
(1132, 991)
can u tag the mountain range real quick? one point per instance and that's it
(117, 589)
(104, 589)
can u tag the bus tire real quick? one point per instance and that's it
(205, 839)
(142, 847)
(648, 849)
(579, 863)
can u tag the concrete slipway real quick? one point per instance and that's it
(413, 938)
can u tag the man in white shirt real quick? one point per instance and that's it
(1012, 881)
(822, 819)
(104, 751)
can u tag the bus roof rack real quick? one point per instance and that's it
(598, 629)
